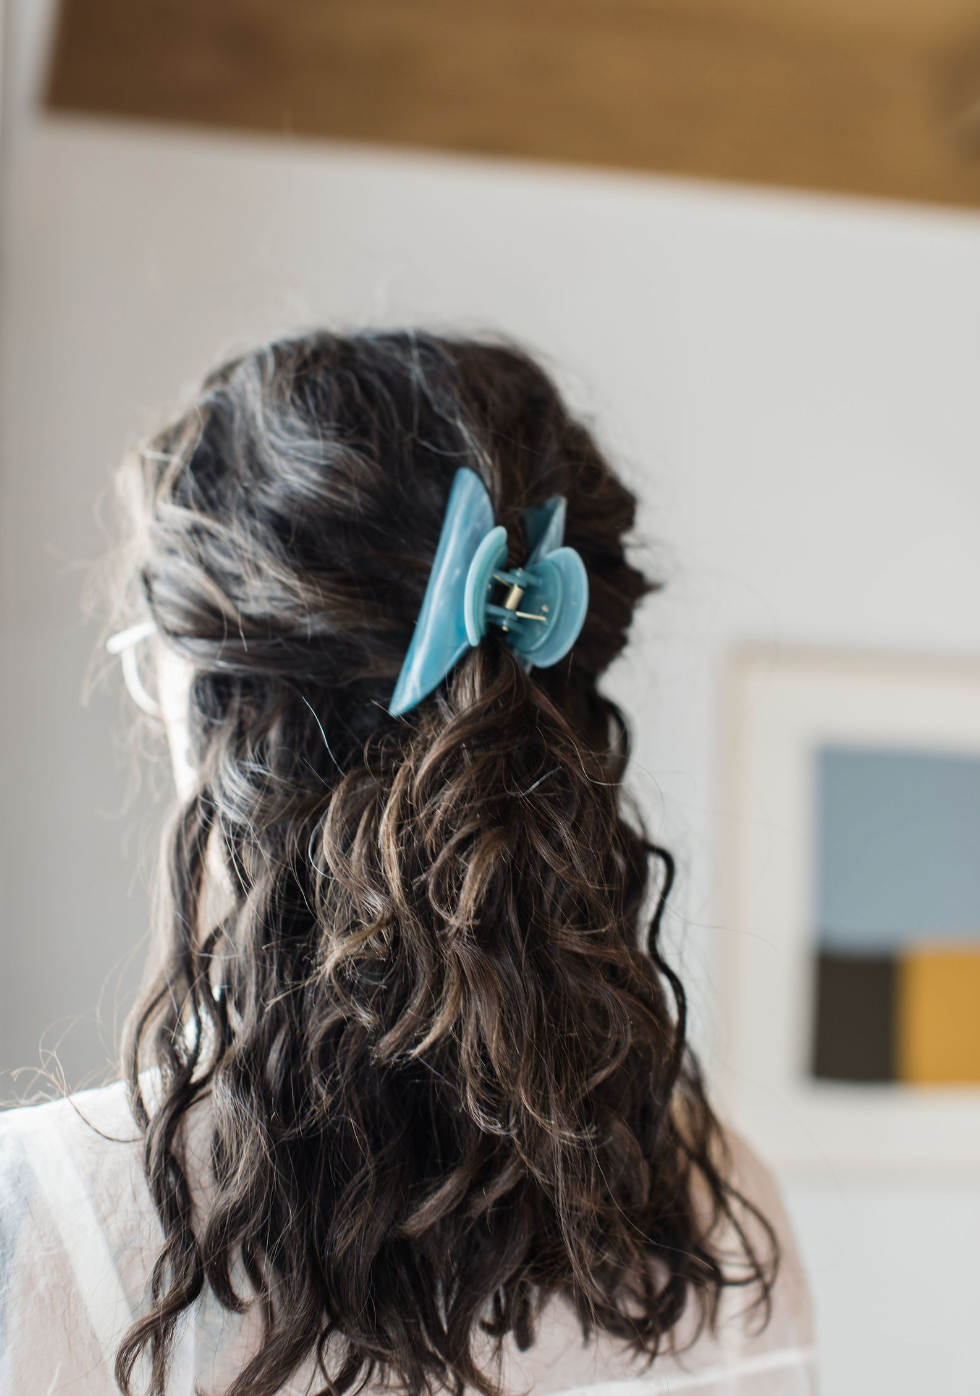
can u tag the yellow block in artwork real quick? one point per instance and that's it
(938, 1014)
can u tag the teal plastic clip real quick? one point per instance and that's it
(540, 607)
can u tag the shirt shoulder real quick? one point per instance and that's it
(752, 1349)
(791, 1319)
(76, 1232)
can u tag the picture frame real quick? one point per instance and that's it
(782, 707)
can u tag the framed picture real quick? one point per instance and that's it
(852, 868)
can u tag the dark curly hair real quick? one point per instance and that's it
(445, 1065)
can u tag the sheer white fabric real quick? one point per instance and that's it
(78, 1236)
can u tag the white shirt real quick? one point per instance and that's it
(78, 1236)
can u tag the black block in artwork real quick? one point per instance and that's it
(855, 1031)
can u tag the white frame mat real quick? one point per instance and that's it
(781, 705)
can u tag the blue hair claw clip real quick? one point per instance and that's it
(540, 607)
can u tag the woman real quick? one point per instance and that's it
(408, 1100)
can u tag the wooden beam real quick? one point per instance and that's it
(822, 94)
(961, 94)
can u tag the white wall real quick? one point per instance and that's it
(788, 382)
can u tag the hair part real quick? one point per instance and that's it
(445, 1065)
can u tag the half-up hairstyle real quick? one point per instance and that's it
(444, 1061)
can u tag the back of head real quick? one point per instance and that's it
(445, 1062)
